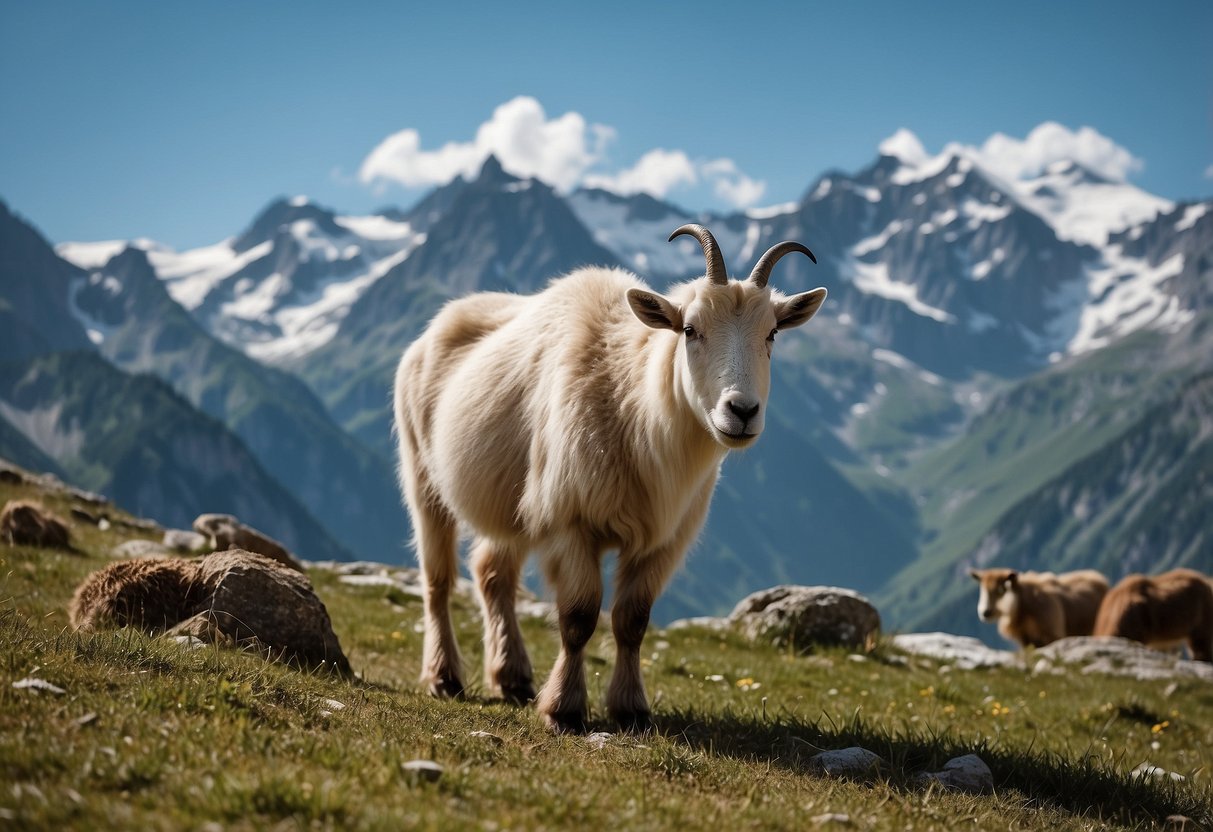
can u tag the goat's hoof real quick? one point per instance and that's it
(519, 694)
(634, 722)
(565, 723)
(446, 688)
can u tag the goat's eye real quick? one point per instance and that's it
(771, 337)
(690, 333)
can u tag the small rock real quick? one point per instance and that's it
(25, 523)
(831, 817)
(851, 762)
(1122, 657)
(598, 740)
(423, 770)
(485, 735)
(140, 549)
(226, 532)
(369, 580)
(190, 642)
(967, 652)
(706, 622)
(807, 615)
(1148, 770)
(333, 704)
(967, 774)
(88, 719)
(38, 685)
(184, 541)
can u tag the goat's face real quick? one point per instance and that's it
(999, 592)
(726, 331)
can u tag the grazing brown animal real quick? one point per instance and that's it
(1163, 611)
(23, 523)
(1038, 608)
(151, 594)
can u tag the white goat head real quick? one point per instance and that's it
(728, 328)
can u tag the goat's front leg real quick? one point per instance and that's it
(573, 569)
(639, 580)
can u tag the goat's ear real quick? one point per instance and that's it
(974, 574)
(654, 310)
(1013, 579)
(796, 310)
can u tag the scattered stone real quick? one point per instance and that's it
(831, 817)
(230, 597)
(190, 642)
(333, 704)
(140, 549)
(226, 532)
(25, 523)
(968, 653)
(966, 774)
(423, 770)
(807, 615)
(485, 735)
(38, 685)
(1122, 657)
(706, 622)
(184, 541)
(252, 601)
(1149, 770)
(598, 740)
(854, 762)
(380, 579)
(88, 719)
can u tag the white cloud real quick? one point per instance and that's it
(656, 173)
(565, 152)
(1051, 142)
(519, 133)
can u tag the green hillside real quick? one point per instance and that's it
(148, 734)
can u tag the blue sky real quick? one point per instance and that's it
(178, 122)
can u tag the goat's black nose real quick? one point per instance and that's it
(743, 410)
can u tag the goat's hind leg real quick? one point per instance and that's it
(507, 668)
(436, 539)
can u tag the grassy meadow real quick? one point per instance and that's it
(149, 734)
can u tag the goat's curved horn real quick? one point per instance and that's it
(716, 270)
(762, 269)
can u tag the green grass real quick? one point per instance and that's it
(151, 735)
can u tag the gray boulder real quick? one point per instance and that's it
(185, 541)
(801, 616)
(233, 597)
(138, 548)
(252, 601)
(965, 651)
(1119, 657)
(226, 532)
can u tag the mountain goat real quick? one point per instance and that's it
(1038, 608)
(1162, 611)
(588, 417)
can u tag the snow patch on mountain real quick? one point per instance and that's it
(1126, 294)
(1074, 180)
(874, 279)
